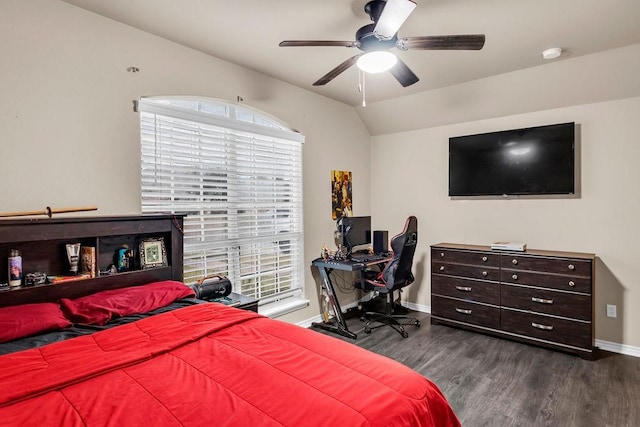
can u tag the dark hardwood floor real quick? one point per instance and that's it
(496, 382)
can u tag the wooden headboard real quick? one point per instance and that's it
(42, 245)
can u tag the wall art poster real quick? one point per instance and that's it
(341, 201)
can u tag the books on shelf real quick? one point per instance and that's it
(88, 260)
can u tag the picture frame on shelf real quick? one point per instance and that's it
(153, 253)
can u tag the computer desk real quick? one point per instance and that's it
(338, 324)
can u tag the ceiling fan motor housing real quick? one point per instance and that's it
(369, 42)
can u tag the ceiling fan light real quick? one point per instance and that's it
(377, 61)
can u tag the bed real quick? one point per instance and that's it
(210, 364)
(138, 348)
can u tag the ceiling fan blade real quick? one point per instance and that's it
(403, 74)
(336, 71)
(300, 43)
(393, 16)
(455, 42)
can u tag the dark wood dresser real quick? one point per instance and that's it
(536, 296)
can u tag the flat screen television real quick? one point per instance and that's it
(531, 161)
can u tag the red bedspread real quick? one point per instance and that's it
(213, 365)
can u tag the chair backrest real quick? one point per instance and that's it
(397, 272)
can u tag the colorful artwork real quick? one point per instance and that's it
(341, 201)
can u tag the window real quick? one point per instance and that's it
(237, 174)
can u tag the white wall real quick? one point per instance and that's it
(69, 137)
(603, 220)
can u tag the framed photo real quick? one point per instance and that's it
(153, 253)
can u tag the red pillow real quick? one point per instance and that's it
(103, 306)
(29, 319)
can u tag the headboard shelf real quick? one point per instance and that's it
(42, 244)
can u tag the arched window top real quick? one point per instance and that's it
(221, 108)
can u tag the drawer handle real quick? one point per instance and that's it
(442, 268)
(542, 300)
(485, 274)
(572, 283)
(463, 311)
(514, 261)
(572, 267)
(514, 277)
(484, 259)
(441, 254)
(464, 288)
(543, 327)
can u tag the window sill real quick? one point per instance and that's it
(280, 308)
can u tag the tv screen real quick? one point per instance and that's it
(534, 161)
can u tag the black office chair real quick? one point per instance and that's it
(395, 276)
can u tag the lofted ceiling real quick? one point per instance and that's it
(247, 33)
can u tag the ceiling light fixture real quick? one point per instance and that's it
(377, 61)
(552, 53)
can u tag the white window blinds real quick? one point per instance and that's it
(237, 175)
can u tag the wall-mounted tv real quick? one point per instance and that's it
(531, 161)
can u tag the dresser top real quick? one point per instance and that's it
(539, 252)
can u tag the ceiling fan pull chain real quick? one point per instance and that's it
(362, 86)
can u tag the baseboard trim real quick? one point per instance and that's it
(417, 307)
(613, 347)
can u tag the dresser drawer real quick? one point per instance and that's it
(572, 267)
(543, 280)
(575, 306)
(568, 332)
(470, 290)
(463, 270)
(463, 257)
(464, 311)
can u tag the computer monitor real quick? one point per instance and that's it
(356, 231)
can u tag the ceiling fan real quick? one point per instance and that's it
(375, 40)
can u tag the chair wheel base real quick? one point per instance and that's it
(375, 320)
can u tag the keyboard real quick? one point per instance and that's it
(367, 257)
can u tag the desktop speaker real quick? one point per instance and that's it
(380, 241)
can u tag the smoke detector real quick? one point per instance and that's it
(552, 53)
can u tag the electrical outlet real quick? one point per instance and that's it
(611, 310)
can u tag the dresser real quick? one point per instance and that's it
(536, 296)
